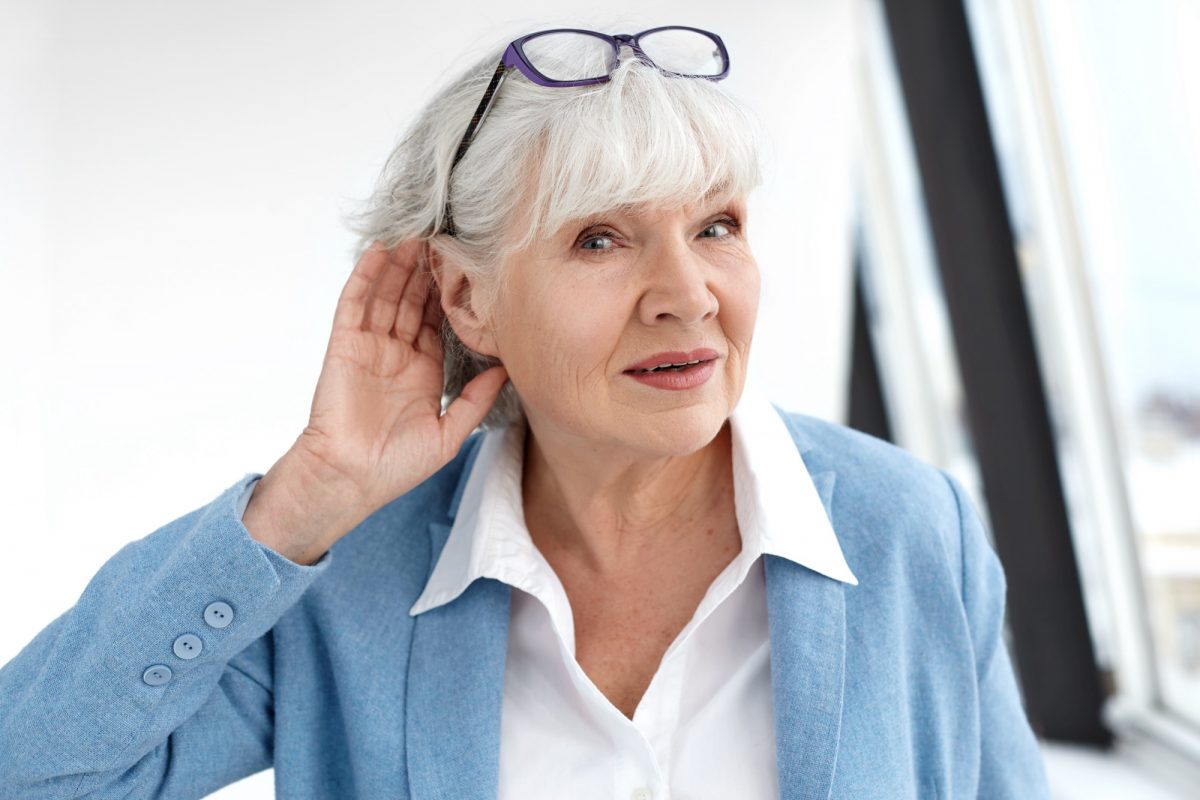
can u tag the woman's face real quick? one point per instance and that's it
(580, 317)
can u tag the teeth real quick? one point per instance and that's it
(668, 365)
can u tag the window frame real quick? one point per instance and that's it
(1070, 347)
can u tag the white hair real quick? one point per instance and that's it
(544, 156)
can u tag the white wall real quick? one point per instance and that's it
(172, 177)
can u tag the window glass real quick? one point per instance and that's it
(1106, 96)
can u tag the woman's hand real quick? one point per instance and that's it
(375, 429)
(376, 416)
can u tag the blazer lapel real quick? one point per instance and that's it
(456, 678)
(455, 686)
(806, 614)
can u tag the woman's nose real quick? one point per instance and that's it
(677, 288)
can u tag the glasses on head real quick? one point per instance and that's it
(573, 57)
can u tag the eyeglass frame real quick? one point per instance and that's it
(514, 57)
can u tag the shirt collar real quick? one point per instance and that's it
(778, 510)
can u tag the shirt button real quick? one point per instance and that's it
(218, 614)
(188, 646)
(642, 794)
(157, 675)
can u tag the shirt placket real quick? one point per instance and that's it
(657, 715)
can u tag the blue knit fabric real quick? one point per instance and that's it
(899, 687)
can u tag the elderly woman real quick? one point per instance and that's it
(642, 581)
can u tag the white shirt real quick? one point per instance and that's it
(705, 726)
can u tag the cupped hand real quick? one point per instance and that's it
(376, 422)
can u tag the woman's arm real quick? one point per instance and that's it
(108, 700)
(86, 708)
(1010, 762)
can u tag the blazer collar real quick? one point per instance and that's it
(456, 668)
(778, 509)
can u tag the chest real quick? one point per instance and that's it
(624, 625)
(711, 694)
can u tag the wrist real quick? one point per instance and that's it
(299, 509)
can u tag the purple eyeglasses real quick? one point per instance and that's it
(574, 57)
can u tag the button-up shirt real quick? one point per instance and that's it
(705, 726)
(897, 687)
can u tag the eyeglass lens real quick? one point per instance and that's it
(579, 56)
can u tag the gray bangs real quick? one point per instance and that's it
(545, 156)
(644, 138)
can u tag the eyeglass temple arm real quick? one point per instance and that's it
(481, 110)
(488, 95)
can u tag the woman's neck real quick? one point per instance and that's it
(610, 511)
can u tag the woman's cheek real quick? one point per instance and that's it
(740, 305)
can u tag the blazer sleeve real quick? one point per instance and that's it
(111, 699)
(1010, 761)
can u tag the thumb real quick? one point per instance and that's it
(470, 407)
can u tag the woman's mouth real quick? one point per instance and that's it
(669, 366)
(675, 377)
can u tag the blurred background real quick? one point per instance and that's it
(979, 237)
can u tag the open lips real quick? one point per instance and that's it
(674, 361)
(668, 366)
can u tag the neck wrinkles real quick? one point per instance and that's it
(609, 510)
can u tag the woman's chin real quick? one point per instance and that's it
(677, 432)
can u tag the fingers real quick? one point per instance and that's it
(373, 294)
(384, 302)
(351, 305)
(429, 338)
(434, 313)
(429, 342)
(413, 305)
(470, 407)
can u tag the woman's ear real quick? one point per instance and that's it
(462, 303)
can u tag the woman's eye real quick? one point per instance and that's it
(725, 225)
(604, 240)
(588, 243)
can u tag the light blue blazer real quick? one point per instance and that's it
(899, 687)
